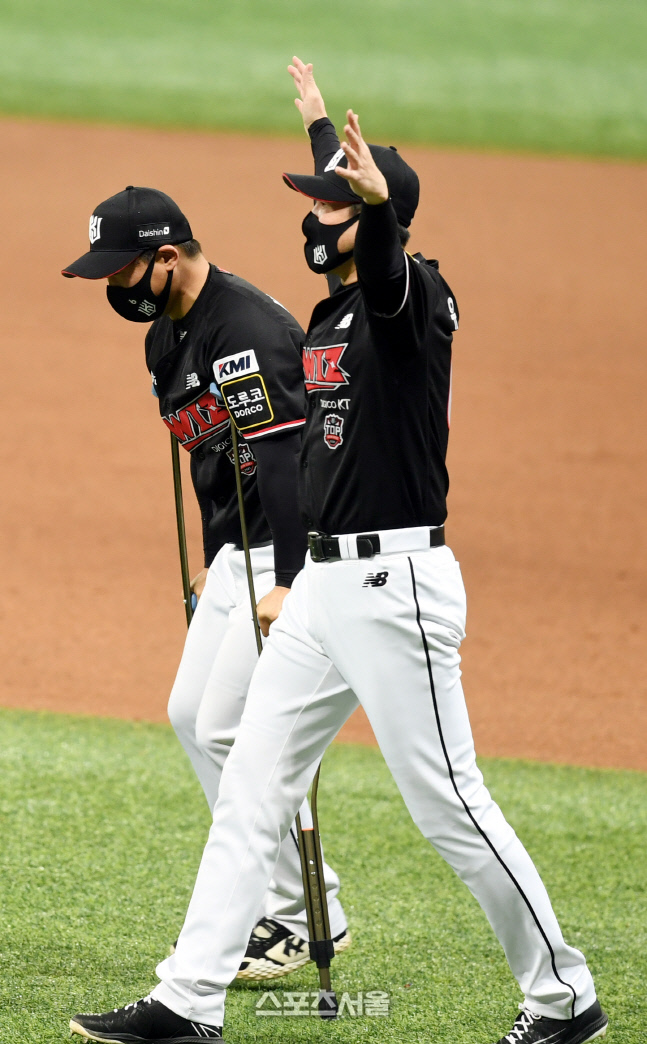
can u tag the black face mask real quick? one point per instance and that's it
(321, 246)
(138, 303)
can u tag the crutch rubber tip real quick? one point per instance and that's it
(328, 1007)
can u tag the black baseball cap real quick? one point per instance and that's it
(124, 226)
(402, 180)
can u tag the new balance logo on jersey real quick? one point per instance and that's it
(322, 369)
(375, 579)
(345, 322)
(452, 312)
(319, 254)
(95, 228)
(192, 381)
(235, 365)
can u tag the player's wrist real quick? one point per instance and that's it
(315, 119)
(375, 199)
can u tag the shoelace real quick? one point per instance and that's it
(267, 926)
(522, 1023)
(133, 1004)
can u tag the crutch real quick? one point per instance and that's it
(181, 531)
(322, 948)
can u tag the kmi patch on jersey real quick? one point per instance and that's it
(235, 365)
(322, 369)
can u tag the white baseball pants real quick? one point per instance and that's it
(207, 703)
(394, 648)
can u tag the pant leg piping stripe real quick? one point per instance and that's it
(466, 806)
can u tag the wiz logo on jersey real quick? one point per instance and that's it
(322, 369)
(198, 421)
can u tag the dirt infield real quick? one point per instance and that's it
(548, 447)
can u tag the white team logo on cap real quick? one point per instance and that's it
(335, 161)
(95, 228)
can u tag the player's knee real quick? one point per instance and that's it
(213, 739)
(181, 715)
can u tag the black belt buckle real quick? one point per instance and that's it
(315, 545)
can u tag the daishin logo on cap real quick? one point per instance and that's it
(95, 228)
(153, 230)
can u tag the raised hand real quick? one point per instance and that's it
(310, 103)
(362, 173)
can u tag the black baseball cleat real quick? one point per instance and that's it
(274, 951)
(537, 1029)
(145, 1021)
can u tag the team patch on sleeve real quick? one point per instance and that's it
(248, 401)
(235, 365)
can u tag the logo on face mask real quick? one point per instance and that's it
(95, 228)
(319, 255)
(138, 302)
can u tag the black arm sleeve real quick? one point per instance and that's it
(278, 470)
(324, 142)
(382, 266)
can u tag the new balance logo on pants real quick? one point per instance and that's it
(375, 580)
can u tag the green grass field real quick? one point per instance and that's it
(548, 75)
(102, 826)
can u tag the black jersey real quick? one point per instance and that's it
(235, 350)
(373, 451)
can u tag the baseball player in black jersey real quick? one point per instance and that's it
(219, 347)
(376, 617)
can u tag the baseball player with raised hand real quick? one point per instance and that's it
(376, 617)
(219, 348)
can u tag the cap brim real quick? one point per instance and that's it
(99, 264)
(325, 189)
